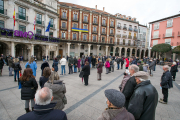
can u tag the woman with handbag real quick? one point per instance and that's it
(17, 68)
(99, 69)
(29, 87)
(86, 70)
(59, 89)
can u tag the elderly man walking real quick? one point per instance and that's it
(130, 84)
(166, 83)
(44, 110)
(144, 99)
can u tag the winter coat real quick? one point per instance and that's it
(55, 65)
(99, 67)
(89, 59)
(118, 60)
(85, 60)
(44, 64)
(144, 101)
(82, 61)
(44, 112)
(70, 61)
(151, 66)
(107, 64)
(122, 61)
(10, 63)
(129, 89)
(127, 62)
(166, 80)
(134, 62)
(75, 61)
(42, 81)
(28, 89)
(33, 66)
(1, 64)
(124, 81)
(79, 63)
(86, 70)
(140, 67)
(58, 88)
(173, 70)
(116, 114)
(17, 66)
(93, 61)
(63, 61)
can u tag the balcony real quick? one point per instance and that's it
(84, 39)
(52, 26)
(116, 43)
(124, 36)
(111, 34)
(129, 44)
(124, 28)
(74, 38)
(134, 38)
(94, 40)
(111, 42)
(94, 32)
(155, 37)
(168, 35)
(178, 34)
(64, 18)
(95, 23)
(118, 35)
(63, 28)
(103, 41)
(85, 21)
(111, 26)
(21, 18)
(129, 37)
(103, 33)
(3, 13)
(104, 25)
(118, 27)
(130, 29)
(63, 37)
(75, 20)
(135, 30)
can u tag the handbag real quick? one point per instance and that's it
(81, 74)
(64, 100)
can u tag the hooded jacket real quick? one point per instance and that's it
(166, 80)
(144, 101)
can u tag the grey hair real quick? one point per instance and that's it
(166, 67)
(43, 96)
(134, 67)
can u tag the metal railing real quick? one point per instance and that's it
(135, 30)
(130, 29)
(129, 37)
(85, 21)
(104, 25)
(124, 36)
(168, 35)
(18, 16)
(64, 18)
(118, 27)
(3, 11)
(124, 28)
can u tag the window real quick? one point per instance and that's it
(94, 29)
(112, 23)
(156, 34)
(85, 26)
(84, 37)
(119, 24)
(100, 48)
(1, 24)
(50, 34)
(124, 41)
(91, 47)
(75, 17)
(155, 42)
(129, 42)
(64, 15)
(39, 18)
(82, 46)
(156, 26)
(104, 21)
(95, 20)
(85, 18)
(22, 28)
(168, 32)
(94, 38)
(22, 13)
(103, 30)
(74, 36)
(111, 40)
(170, 23)
(38, 31)
(63, 35)
(2, 6)
(74, 25)
(72, 46)
(129, 18)
(52, 22)
(103, 39)
(168, 41)
(111, 32)
(63, 25)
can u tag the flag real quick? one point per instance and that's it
(48, 27)
(34, 22)
(14, 16)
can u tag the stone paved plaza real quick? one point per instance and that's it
(85, 102)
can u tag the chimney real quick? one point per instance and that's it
(96, 7)
(103, 9)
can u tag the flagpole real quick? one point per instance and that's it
(13, 21)
(48, 38)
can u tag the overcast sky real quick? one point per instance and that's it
(144, 10)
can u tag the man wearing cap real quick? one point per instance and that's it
(115, 110)
(139, 65)
(144, 99)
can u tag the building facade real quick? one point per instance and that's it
(85, 31)
(166, 30)
(24, 40)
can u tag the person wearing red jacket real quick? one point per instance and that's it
(127, 63)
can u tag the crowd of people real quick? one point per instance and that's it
(136, 98)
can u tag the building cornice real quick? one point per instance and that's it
(127, 20)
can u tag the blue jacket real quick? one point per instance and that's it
(89, 59)
(55, 65)
(134, 61)
(44, 112)
(33, 66)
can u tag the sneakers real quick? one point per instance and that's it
(161, 101)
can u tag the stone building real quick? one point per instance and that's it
(24, 40)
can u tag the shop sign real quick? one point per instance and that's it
(24, 34)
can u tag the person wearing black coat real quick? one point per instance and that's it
(174, 70)
(43, 79)
(75, 64)
(17, 68)
(166, 83)
(55, 64)
(86, 70)
(29, 87)
(144, 100)
(93, 62)
(122, 62)
(1, 65)
(43, 65)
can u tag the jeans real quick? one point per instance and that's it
(154, 68)
(16, 72)
(90, 65)
(165, 94)
(75, 68)
(70, 70)
(82, 65)
(27, 103)
(4, 61)
(118, 66)
(43, 59)
(63, 68)
(151, 72)
(10, 70)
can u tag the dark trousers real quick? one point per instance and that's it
(121, 66)
(126, 67)
(86, 79)
(165, 94)
(70, 70)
